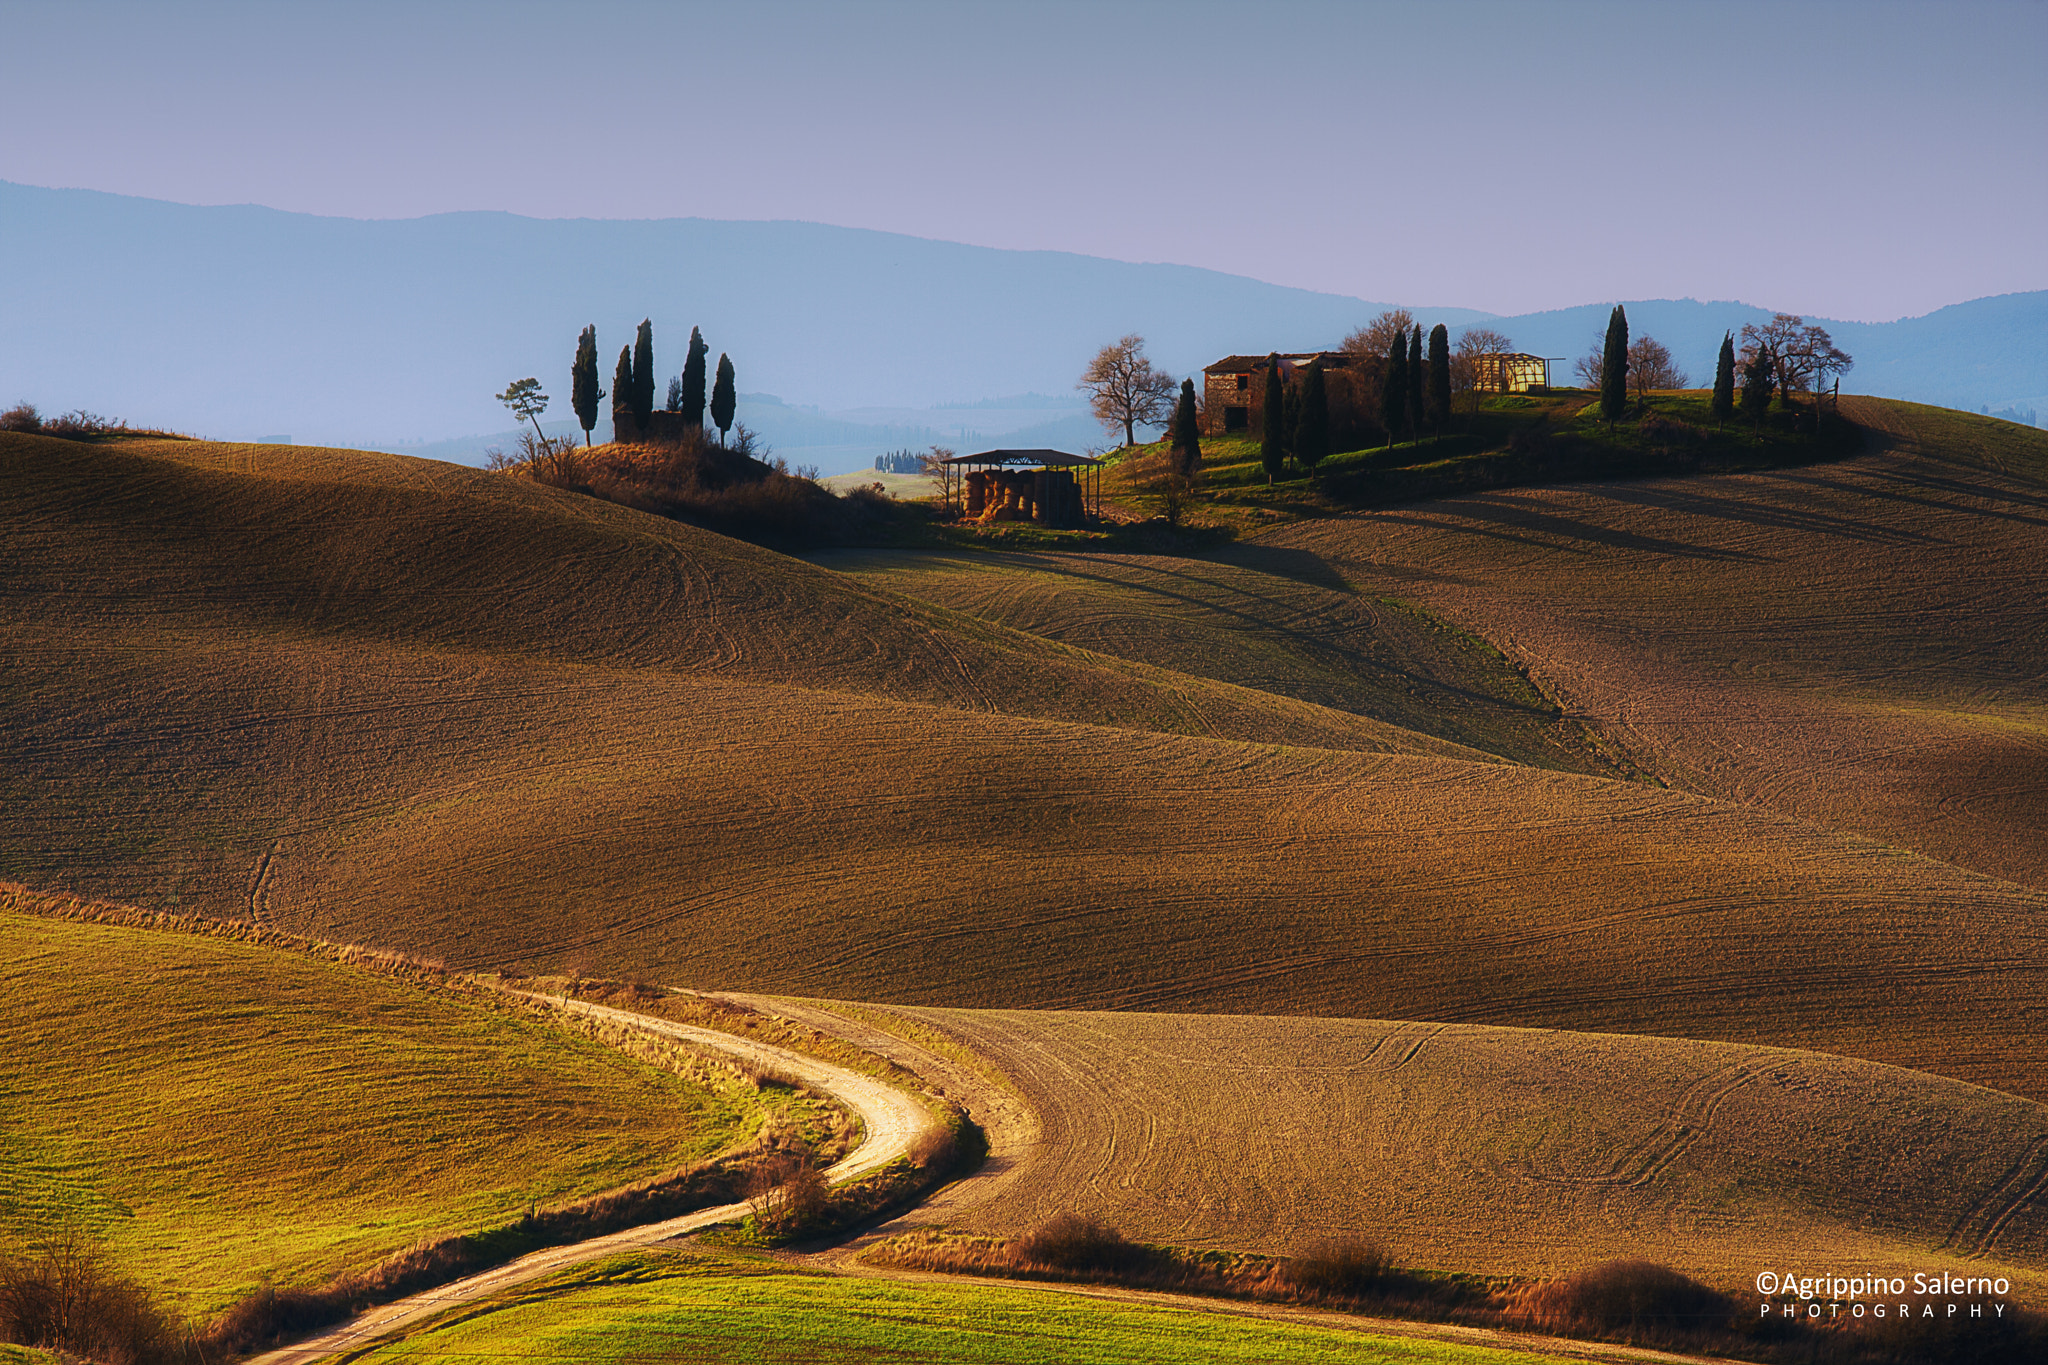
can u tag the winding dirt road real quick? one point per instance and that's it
(892, 1121)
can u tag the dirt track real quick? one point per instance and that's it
(893, 1121)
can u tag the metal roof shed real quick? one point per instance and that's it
(962, 466)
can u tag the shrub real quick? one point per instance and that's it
(1344, 1268)
(788, 1194)
(1627, 1296)
(78, 423)
(1072, 1242)
(21, 417)
(65, 1296)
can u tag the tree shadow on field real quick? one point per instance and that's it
(1302, 566)
(1929, 483)
(1520, 522)
(1753, 512)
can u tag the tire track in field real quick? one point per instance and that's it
(1690, 1119)
(1977, 1230)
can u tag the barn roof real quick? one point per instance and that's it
(1053, 458)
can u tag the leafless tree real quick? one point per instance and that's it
(1125, 391)
(1805, 355)
(1376, 338)
(1591, 366)
(1163, 475)
(932, 464)
(1473, 343)
(1650, 367)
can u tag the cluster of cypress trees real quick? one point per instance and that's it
(632, 390)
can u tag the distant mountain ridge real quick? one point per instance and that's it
(239, 321)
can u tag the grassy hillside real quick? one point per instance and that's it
(1507, 1151)
(691, 1308)
(1858, 644)
(221, 1113)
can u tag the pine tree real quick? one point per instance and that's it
(1614, 367)
(1312, 416)
(693, 380)
(1273, 426)
(1187, 435)
(723, 398)
(1394, 388)
(1439, 377)
(624, 428)
(583, 390)
(643, 373)
(1724, 380)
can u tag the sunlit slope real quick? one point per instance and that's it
(298, 544)
(220, 1112)
(1512, 1151)
(1858, 644)
(1277, 622)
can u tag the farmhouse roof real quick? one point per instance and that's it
(1239, 364)
(1053, 458)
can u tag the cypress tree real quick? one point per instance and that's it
(1724, 380)
(1312, 416)
(583, 390)
(724, 399)
(1273, 427)
(1439, 377)
(1187, 435)
(643, 372)
(1614, 367)
(1756, 386)
(624, 428)
(1394, 388)
(693, 380)
(1418, 385)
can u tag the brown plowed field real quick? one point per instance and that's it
(295, 700)
(1511, 1151)
(1859, 644)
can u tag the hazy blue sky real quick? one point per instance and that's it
(1855, 160)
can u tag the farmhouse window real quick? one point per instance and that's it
(1237, 419)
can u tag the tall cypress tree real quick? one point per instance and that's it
(1272, 423)
(583, 390)
(1614, 367)
(1756, 385)
(1439, 377)
(643, 372)
(724, 399)
(1187, 435)
(1724, 380)
(693, 380)
(1418, 384)
(1394, 388)
(624, 428)
(1312, 416)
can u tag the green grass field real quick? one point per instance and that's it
(220, 1113)
(684, 1308)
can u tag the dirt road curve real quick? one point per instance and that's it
(892, 1119)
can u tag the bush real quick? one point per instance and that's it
(63, 1295)
(1628, 1296)
(21, 417)
(79, 424)
(1343, 1269)
(1071, 1242)
(788, 1195)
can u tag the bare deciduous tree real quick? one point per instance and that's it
(1474, 342)
(1124, 390)
(1650, 367)
(1376, 338)
(1804, 355)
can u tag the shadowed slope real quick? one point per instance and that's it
(1288, 626)
(1857, 644)
(1507, 1151)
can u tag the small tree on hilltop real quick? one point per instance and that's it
(1439, 377)
(724, 399)
(1394, 388)
(1376, 338)
(524, 397)
(643, 374)
(1124, 390)
(584, 393)
(1273, 423)
(1614, 367)
(1473, 343)
(1312, 416)
(623, 426)
(1724, 381)
(1650, 367)
(693, 380)
(1187, 432)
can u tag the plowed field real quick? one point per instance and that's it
(1860, 645)
(1514, 1151)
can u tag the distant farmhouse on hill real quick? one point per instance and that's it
(1234, 388)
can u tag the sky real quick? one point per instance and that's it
(1858, 160)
